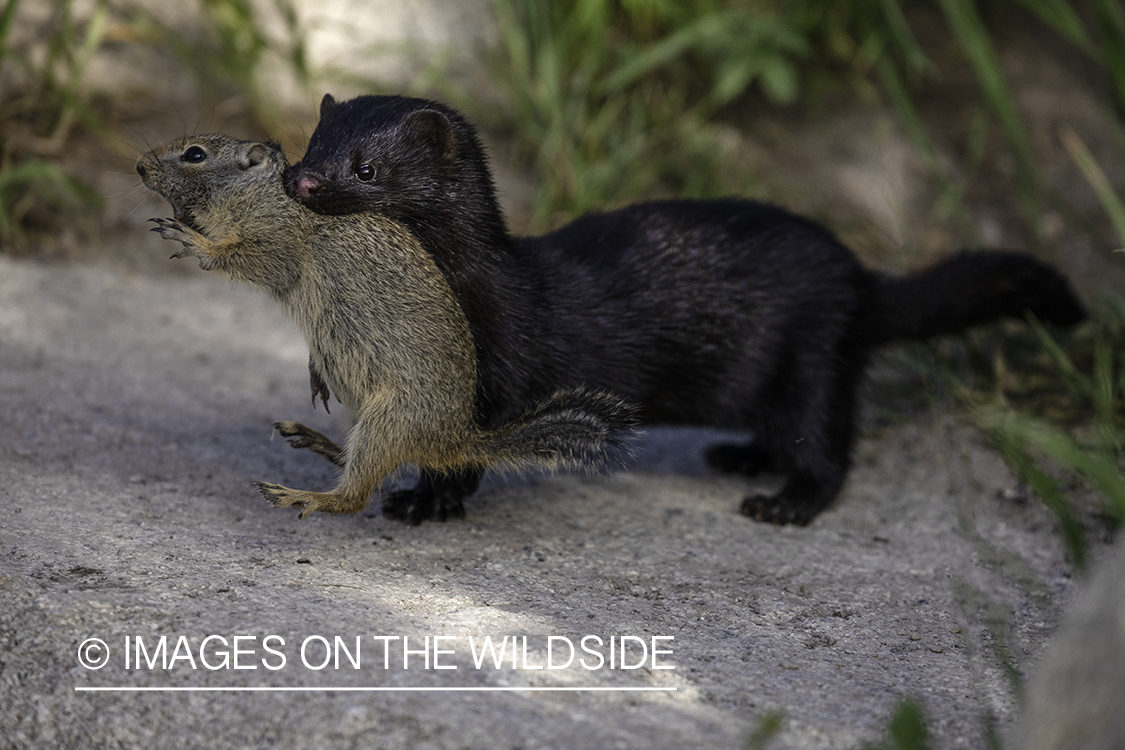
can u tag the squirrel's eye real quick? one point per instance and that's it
(194, 154)
(365, 172)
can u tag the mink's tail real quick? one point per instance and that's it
(967, 289)
(571, 429)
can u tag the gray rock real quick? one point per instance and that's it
(136, 412)
(1076, 699)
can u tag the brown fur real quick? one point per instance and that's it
(385, 332)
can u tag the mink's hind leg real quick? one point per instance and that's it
(815, 465)
(436, 495)
(807, 433)
(750, 459)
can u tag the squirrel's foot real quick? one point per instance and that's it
(309, 502)
(303, 437)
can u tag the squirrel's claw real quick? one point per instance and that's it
(300, 436)
(281, 497)
(171, 229)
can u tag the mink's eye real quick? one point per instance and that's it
(194, 154)
(365, 172)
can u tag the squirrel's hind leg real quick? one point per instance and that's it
(303, 437)
(369, 457)
(310, 502)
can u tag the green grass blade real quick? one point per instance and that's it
(1111, 23)
(1061, 16)
(1076, 380)
(898, 30)
(7, 15)
(1009, 436)
(916, 129)
(1030, 434)
(975, 42)
(906, 729)
(1094, 175)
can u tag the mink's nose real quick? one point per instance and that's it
(307, 186)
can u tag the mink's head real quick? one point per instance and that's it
(406, 158)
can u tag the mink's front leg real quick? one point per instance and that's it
(436, 495)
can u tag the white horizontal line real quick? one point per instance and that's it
(263, 689)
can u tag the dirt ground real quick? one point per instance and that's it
(137, 411)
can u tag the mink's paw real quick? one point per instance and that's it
(450, 505)
(776, 509)
(410, 506)
(414, 506)
(170, 229)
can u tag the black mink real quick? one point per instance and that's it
(725, 313)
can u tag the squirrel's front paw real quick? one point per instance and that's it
(171, 229)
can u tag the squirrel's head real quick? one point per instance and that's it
(195, 172)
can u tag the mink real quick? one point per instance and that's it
(732, 314)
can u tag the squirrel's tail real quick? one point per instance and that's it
(576, 428)
(968, 289)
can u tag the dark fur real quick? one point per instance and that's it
(728, 313)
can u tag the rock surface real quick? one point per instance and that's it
(137, 408)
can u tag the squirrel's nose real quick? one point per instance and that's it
(140, 169)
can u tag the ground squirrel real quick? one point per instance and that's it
(727, 313)
(385, 332)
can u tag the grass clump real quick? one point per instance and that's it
(48, 104)
(36, 123)
(613, 100)
(906, 729)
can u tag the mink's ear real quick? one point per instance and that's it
(433, 130)
(326, 104)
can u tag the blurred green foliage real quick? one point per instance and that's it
(617, 99)
(50, 101)
(35, 125)
(906, 729)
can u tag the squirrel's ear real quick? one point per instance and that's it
(326, 104)
(253, 156)
(432, 128)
